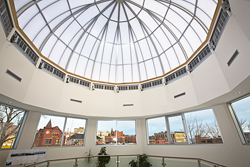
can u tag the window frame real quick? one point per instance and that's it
(63, 131)
(236, 120)
(182, 114)
(126, 144)
(19, 132)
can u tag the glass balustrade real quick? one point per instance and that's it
(124, 160)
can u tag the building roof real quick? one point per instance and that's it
(76, 136)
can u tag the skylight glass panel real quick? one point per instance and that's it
(177, 33)
(124, 32)
(88, 45)
(172, 58)
(186, 46)
(70, 32)
(88, 71)
(138, 51)
(165, 63)
(57, 51)
(205, 18)
(107, 52)
(108, 11)
(133, 53)
(115, 13)
(148, 20)
(134, 9)
(158, 67)
(111, 31)
(87, 15)
(162, 40)
(143, 71)
(187, 5)
(73, 42)
(126, 54)
(145, 49)
(112, 74)
(49, 45)
(176, 20)
(208, 7)
(182, 13)
(57, 20)
(19, 4)
(63, 27)
(77, 3)
(98, 26)
(25, 17)
(135, 70)
(80, 45)
(52, 11)
(65, 57)
(44, 4)
(94, 50)
(150, 68)
(127, 73)
(199, 30)
(122, 14)
(96, 71)
(195, 42)
(40, 36)
(81, 65)
(156, 6)
(137, 29)
(100, 52)
(129, 13)
(34, 26)
(72, 63)
(179, 53)
(104, 72)
(119, 74)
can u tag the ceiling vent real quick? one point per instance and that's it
(74, 100)
(14, 75)
(126, 105)
(236, 53)
(179, 95)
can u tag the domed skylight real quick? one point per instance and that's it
(116, 40)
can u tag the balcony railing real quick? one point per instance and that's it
(123, 161)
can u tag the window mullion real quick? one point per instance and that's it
(62, 141)
(168, 131)
(185, 128)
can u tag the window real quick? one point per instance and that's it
(157, 132)
(54, 129)
(187, 128)
(240, 110)
(74, 132)
(11, 122)
(116, 132)
(202, 127)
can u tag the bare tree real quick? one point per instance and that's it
(10, 120)
(195, 127)
(213, 129)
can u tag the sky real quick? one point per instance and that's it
(127, 126)
(59, 121)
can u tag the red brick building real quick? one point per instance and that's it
(48, 136)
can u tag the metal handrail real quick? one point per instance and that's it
(199, 160)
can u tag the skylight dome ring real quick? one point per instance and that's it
(98, 47)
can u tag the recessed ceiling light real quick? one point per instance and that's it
(239, 92)
(10, 102)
